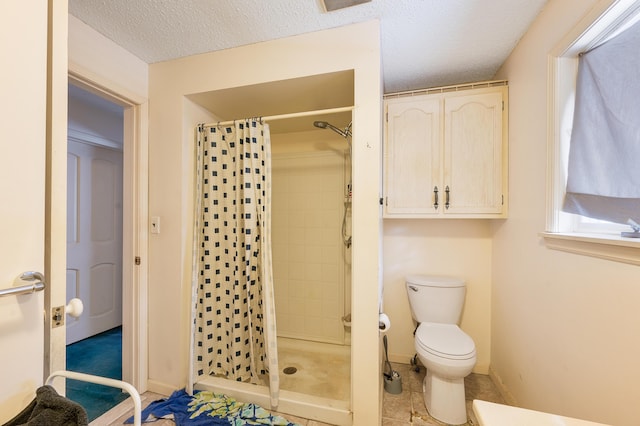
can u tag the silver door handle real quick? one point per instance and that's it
(38, 284)
(32, 276)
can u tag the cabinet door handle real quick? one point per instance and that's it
(435, 194)
(446, 197)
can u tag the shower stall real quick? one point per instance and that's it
(310, 72)
(311, 259)
(311, 263)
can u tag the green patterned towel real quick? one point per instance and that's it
(237, 413)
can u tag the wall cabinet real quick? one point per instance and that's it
(445, 154)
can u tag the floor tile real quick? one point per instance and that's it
(394, 422)
(398, 406)
(477, 386)
(480, 386)
(404, 409)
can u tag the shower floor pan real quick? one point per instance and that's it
(315, 382)
(297, 404)
(321, 369)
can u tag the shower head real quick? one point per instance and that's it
(324, 125)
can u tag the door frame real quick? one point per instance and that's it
(134, 226)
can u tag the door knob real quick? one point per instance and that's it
(74, 307)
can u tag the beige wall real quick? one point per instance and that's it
(564, 327)
(455, 247)
(99, 60)
(170, 185)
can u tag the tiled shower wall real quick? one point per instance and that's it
(308, 195)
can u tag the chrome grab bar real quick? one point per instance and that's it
(38, 285)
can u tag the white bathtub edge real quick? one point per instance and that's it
(492, 414)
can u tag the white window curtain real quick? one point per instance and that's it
(603, 180)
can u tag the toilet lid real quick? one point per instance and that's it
(445, 340)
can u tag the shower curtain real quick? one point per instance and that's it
(234, 330)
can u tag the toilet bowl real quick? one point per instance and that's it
(449, 355)
(446, 351)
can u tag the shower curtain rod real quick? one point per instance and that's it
(284, 116)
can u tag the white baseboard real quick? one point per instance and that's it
(504, 392)
(161, 388)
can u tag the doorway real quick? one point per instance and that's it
(94, 213)
(135, 227)
(95, 245)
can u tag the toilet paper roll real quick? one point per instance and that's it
(384, 323)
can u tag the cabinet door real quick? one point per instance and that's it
(473, 153)
(412, 156)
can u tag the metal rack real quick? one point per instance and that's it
(135, 396)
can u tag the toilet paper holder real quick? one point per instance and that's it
(383, 322)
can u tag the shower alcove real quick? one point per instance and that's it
(311, 224)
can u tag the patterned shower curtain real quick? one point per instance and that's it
(234, 321)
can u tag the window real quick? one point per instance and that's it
(566, 231)
(603, 179)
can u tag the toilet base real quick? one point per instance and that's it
(444, 399)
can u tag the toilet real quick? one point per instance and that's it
(446, 351)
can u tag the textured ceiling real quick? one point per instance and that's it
(425, 43)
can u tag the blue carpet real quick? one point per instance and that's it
(100, 355)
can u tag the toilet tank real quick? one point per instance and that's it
(435, 298)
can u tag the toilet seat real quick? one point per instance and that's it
(445, 341)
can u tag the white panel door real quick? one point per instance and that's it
(23, 113)
(94, 238)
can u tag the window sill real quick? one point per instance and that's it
(603, 246)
